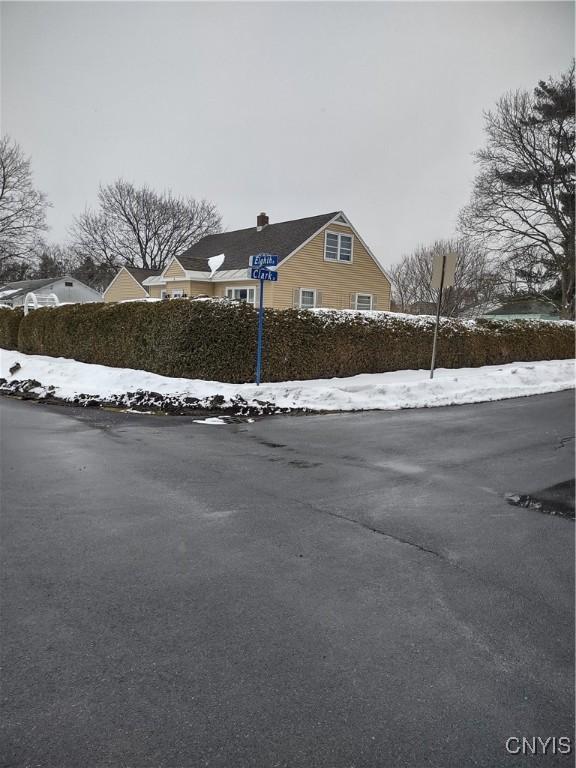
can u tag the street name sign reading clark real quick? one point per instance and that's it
(261, 273)
(262, 268)
(443, 271)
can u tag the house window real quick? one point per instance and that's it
(241, 294)
(68, 284)
(307, 298)
(363, 301)
(164, 295)
(338, 247)
(177, 294)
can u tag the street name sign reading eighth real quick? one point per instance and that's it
(263, 260)
(261, 273)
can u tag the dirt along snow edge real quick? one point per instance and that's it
(61, 379)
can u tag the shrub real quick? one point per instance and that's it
(216, 339)
(9, 324)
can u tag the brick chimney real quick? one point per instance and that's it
(261, 221)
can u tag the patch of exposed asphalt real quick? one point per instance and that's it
(470, 572)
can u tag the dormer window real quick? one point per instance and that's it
(338, 247)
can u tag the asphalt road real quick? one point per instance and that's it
(343, 591)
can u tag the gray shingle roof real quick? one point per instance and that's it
(279, 239)
(140, 274)
(26, 286)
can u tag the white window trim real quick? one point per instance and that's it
(178, 294)
(241, 288)
(311, 290)
(338, 260)
(369, 295)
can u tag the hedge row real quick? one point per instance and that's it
(216, 339)
(9, 324)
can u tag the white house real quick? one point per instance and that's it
(67, 289)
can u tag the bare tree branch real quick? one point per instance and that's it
(140, 227)
(474, 281)
(22, 207)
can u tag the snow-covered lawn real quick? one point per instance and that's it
(67, 379)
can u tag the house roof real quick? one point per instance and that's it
(279, 239)
(140, 274)
(15, 289)
(525, 306)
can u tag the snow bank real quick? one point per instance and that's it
(73, 381)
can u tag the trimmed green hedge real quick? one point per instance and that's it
(9, 324)
(216, 339)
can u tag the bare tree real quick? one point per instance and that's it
(140, 227)
(55, 260)
(474, 281)
(22, 207)
(523, 274)
(523, 198)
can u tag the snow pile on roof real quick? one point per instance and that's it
(215, 262)
(84, 383)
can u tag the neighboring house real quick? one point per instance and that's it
(323, 262)
(422, 308)
(521, 308)
(128, 284)
(67, 289)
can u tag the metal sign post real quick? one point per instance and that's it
(260, 334)
(262, 268)
(443, 271)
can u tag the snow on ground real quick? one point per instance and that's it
(211, 420)
(67, 379)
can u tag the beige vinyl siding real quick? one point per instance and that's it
(124, 287)
(174, 270)
(220, 289)
(189, 287)
(336, 281)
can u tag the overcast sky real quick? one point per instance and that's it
(291, 108)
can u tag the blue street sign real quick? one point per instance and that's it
(263, 260)
(261, 273)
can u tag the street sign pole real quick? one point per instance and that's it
(262, 268)
(260, 334)
(433, 363)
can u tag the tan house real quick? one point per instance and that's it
(323, 262)
(128, 284)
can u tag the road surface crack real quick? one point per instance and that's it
(372, 529)
(562, 441)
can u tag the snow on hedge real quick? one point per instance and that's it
(83, 383)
